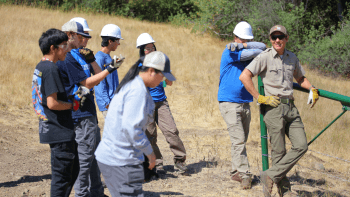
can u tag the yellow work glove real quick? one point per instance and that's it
(273, 101)
(313, 97)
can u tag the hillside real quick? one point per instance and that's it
(195, 60)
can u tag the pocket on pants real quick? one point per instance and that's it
(135, 176)
(134, 182)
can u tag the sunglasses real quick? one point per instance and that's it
(63, 46)
(280, 37)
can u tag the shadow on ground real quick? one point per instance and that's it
(25, 179)
(158, 194)
(319, 193)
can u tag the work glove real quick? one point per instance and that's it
(116, 63)
(233, 46)
(79, 97)
(87, 54)
(313, 97)
(273, 101)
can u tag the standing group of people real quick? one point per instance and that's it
(69, 75)
(65, 83)
(241, 61)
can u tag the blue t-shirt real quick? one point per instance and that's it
(72, 73)
(158, 93)
(105, 89)
(231, 88)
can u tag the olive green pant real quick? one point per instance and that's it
(284, 120)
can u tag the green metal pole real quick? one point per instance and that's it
(344, 110)
(345, 100)
(264, 147)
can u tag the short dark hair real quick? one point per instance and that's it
(106, 39)
(51, 37)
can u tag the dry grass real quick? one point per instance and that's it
(195, 61)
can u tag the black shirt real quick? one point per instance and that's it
(54, 126)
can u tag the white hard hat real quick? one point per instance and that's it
(143, 39)
(83, 22)
(243, 30)
(112, 31)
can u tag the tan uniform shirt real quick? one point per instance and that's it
(276, 73)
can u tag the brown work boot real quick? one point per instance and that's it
(246, 182)
(244, 179)
(284, 187)
(267, 184)
(236, 176)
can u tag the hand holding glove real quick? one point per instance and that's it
(234, 45)
(79, 97)
(313, 97)
(118, 60)
(116, 63)
(88, 55)
(273, 101)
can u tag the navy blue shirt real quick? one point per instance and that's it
(72, 74)
(231, 88)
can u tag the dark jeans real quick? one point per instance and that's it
(64, 167)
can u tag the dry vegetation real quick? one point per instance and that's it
(195, 61)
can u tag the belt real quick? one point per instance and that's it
(286, 101)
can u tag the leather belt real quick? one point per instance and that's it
(286, 101)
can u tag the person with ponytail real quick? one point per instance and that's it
(162, 115)
(121, 152)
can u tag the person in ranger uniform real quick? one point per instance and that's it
(277, 67)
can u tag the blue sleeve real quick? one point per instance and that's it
(248, 54)
(253, 50)
(134, 119)
(101, 89)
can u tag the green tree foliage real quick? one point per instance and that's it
(331, 54)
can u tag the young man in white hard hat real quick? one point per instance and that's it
(162, 115)
(76, 71)
(277, 67)
(111, 36)
(234, 99)
(86, 28)
(51, 105)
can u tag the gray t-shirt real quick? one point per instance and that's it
(276, 73)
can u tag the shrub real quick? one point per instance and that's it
(331, 54)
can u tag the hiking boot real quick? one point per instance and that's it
(246, 182)
(284, 187)
(267, 184)
(243, 178)
(160, 169)
(236, 176)
(181, 165)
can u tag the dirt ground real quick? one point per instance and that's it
(25, 165)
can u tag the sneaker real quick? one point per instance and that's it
(181, 165)
(267, 184)
(284, 187)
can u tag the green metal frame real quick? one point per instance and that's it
(345, 101)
